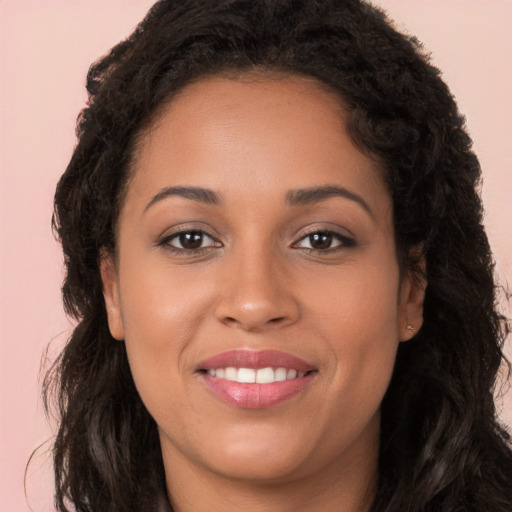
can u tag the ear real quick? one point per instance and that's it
(111, 295)
(412, 295)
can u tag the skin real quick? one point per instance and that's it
(257, 284)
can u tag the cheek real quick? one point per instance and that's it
(357, 321)
(161, 317)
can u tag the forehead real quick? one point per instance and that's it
(251, 132)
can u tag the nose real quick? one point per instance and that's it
(255, 294)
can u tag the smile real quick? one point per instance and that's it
(261, 376)
(255, 379)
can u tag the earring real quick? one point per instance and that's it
(411, 329)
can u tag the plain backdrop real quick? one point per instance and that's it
(46, 47)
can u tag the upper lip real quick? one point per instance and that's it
(244, 358)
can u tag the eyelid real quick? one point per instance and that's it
(179, 233)
(185, 227)
(345, 240)
(165, 240)
(323, 226)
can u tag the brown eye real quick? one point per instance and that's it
(192, 240)
(324, 241)
(320, 241)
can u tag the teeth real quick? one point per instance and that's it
(260, 376)
(246, 375)
(280, 374)
(265, 375)
(291, 374)
(231, 374)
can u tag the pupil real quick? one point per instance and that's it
(320, 240)
(191, 240)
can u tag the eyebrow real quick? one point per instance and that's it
(299, 197)
(202, 195)
(314, 195)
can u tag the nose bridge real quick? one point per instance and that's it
(253, 294)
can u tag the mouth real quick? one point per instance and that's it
(258, 376)
(255, 379)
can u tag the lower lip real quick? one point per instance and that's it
(256, 396)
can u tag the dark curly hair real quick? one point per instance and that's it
(442, 448)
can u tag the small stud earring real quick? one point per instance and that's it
(411, 329)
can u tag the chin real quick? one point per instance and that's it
(266, 463)
(263, 452)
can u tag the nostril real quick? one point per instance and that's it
(255, 314)
(248, 324)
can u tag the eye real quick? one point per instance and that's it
(324, 241)
(193, 240)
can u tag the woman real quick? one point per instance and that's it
(275, 253)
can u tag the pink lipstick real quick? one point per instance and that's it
(255, 379)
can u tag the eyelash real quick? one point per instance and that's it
(166, 242)
(344, 242)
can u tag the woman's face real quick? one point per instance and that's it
(256, 243)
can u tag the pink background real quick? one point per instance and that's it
(45, 50)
